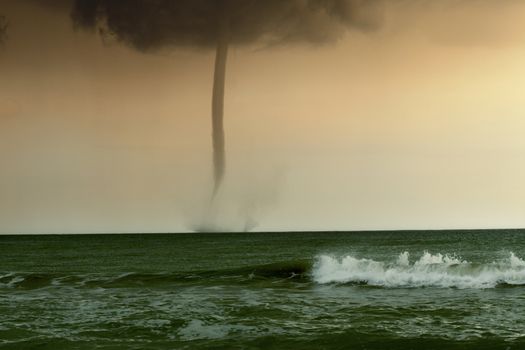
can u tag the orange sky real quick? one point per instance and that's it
(416, 125)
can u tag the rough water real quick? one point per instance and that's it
(361, 290)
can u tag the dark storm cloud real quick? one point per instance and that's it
(3, 29)
(59, 5)
(152, 24)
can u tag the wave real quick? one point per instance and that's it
(430, 270)
(298, 270)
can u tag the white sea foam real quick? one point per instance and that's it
(430, 270)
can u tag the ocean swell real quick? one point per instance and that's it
(298, 270)
(430, 270)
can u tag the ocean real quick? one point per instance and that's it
(309, 290)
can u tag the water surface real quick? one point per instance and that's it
(355, 290)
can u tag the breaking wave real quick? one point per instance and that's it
(430, 270)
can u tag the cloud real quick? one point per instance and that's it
(152, 24)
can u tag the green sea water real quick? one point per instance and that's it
(355, 290)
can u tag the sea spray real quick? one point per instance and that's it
(430, 270)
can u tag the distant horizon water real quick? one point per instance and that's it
(394, 230)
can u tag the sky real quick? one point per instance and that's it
(417, 124)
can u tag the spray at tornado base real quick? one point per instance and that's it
(150, 25)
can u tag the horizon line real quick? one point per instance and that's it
(270, 231)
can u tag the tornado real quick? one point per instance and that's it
(217, 109)
(154, 25)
